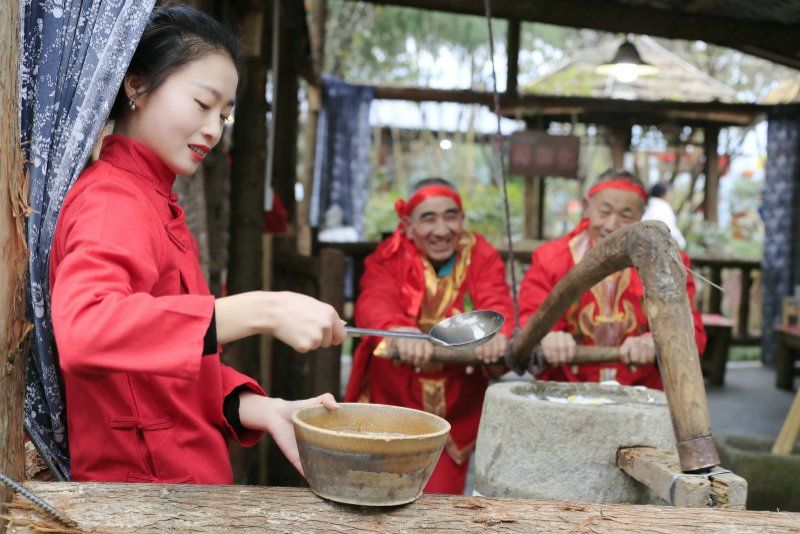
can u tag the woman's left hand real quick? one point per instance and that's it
(275, 416)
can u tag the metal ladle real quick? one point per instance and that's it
(457, 332)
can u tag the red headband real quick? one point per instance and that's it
(404, 209)
(625, 185)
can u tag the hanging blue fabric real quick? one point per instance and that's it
(344, 141)
(74, 54)
(780, 210)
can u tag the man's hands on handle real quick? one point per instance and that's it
(417, 352)
(493, 350)
(559, 348)
(275, 416)
(300, 321)
(638, 350)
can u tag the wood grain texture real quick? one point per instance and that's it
(13, 195)
(150, 507)
(656, 468)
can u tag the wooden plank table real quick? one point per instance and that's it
(154, 507)
(787, 350)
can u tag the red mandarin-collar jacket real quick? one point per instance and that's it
(130, 310)
(549, 264)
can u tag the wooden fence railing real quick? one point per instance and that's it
(742, 306)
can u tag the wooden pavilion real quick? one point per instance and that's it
(272, 32)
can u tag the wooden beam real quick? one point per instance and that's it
(13, 192)
(159, 507)
(661, 472)
(512, 53)
(548, 106)
(781, 41)
(693, 6)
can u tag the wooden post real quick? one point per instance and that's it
(619, 143)
(13, 192)
(282, 157)
(715, 296)
(534, 207)
(318, 16)
(711, 171)
(247, 198)
(648, 247)
(744, 303)
(512, 51)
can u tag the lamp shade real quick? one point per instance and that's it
(627, 64)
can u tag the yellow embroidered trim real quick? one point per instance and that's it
(434, 396)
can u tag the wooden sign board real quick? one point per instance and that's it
(536, 153)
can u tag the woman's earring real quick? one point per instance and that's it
(132, 104)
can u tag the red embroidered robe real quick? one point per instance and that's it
(605, 315)
(401, 288)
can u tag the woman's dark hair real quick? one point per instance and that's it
(659, 190)
(173, 38)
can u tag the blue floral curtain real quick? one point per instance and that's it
(344, 140)
(780, 210)
(74, 54)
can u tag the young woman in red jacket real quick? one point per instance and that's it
(137, 330)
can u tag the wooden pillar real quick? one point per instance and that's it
(512, 50)
(282, 157)
(318, 16)
(620, 142)
(12, 269)
(247, 196)
(711, 171)
(534, 207)
(744, 303)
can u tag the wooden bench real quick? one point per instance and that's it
(787, 351)
(719, 330)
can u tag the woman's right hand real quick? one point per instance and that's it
(300, 321)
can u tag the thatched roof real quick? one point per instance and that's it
(786, 92)
(677, 79)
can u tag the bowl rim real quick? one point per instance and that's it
(343, 433)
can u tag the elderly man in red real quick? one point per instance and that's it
(431, 268)
(611, 313)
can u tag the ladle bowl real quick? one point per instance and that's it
(462, 331)
(368, 454)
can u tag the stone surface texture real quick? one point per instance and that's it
(531, 447)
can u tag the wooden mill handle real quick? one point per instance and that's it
(583, 354)
(648, 247)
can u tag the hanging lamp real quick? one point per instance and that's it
(627, 64)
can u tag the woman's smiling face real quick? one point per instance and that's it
(183, 118)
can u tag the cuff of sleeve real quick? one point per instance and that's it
(245, 437)
(210, 339)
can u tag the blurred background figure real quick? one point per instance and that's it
(659, 209)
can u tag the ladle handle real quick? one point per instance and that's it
(386, 333)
